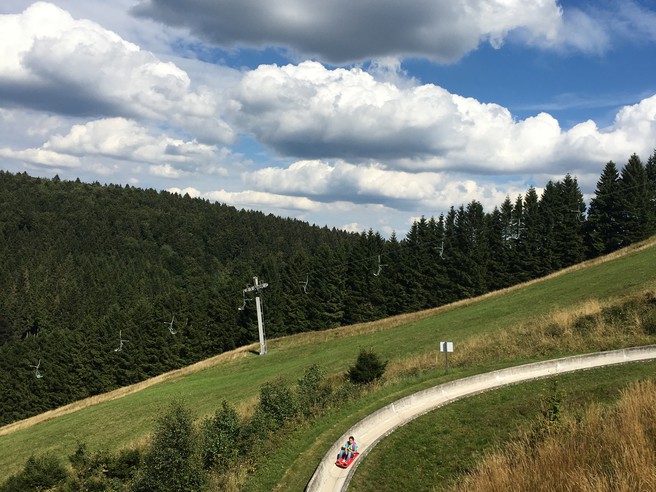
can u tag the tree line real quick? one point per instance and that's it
(86, 265)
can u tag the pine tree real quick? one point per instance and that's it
(603, 230)
(327, 302)
(498, 267)
(529, 250)
(548, 208)
(569, 235)
(468, 272)
(298, 284)
(650, 169)
(400, 280)
(637, 220)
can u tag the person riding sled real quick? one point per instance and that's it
(349, 448)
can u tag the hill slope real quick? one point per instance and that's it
(118, 422)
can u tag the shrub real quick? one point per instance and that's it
(313, 393)
(125, 465)
(278, 402)
(221, 438)
(171, 463)
(367, 368)
(39, 473)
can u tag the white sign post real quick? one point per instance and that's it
(446, 347)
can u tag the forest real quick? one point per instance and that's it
(102, 286)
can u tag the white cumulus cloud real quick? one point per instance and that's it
(311, 112)
(51, 61)
(124, 139)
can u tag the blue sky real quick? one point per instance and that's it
(355, 115)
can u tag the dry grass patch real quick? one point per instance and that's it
(605, 449)
(589, 326)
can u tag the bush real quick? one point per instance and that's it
(367, 368)
(313, 393)
(171, 464)
(125, 465)
(278, 403)
(221, 438)
(39, 473)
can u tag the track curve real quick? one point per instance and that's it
(370, 430)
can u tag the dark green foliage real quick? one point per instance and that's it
(637, 217)
(313, 393)
(39, 473)
(124, 466)
(221, 438)
(561, 212)
(551, 409)
(102, 470)
(90, 471)
(650, 170)
(171, 463)
(81, 263)
(604, 229)
(368, 368)
(277, 406)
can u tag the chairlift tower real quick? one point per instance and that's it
(257, 287)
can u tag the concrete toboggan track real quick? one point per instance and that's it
(370, 430)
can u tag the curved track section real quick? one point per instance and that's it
(329, 478)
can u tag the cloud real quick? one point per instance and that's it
(121, 139)
(124, 139)
(52, 62)
(598, 27)
(41, 157)
(310, 112)
(632, 131)
(372, 184)
(257, 200)
(346, 182)
(343, 31)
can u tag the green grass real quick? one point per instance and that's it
(117, 423)
(429, 453)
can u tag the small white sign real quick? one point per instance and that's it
(446, 346)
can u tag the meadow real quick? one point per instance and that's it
(408, 342)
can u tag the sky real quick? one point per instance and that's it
(355, 115)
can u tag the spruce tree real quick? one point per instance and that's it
(604, 230)
(568, 234)
(650, 169)
(529, 257)
(637, 221)
(549, 213)
(498, 266)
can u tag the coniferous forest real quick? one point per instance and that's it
(102, 286)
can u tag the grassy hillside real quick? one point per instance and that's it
(113, 423)
(432, 452)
